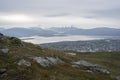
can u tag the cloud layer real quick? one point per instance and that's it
(48, 13)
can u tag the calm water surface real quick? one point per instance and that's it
(41, 40)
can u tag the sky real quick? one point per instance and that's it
(60, 13)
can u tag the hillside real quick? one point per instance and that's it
(26, 61)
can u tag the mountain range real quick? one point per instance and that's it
(26, 32)
(103, 31)
(62, 31)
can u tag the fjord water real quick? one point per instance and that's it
(42, 40)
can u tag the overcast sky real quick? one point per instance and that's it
(60, 13)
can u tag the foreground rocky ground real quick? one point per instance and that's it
(25, 61)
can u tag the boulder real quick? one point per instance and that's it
(118, 77)
(73, 54)
(42, 61)
(4, 50)
(84, 65)
(55, 60)
(24, 62)
(46, 62)
(2, 71)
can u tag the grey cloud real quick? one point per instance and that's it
(57, 15)
(73, 7)
(58, 8)
(110, 13)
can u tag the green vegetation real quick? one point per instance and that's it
(111, 61)
(15, 41)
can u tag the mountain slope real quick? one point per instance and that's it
(24, 61)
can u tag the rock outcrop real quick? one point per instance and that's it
(72, 54)
(54, 60)
(84, 65)
(2, 71)
(118, 77)
(4, 50)
(24, 62)
(46, 62)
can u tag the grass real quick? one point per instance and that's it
(111, 61)
(66, 72)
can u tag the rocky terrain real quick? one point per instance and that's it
(26, 61)
(107, 45)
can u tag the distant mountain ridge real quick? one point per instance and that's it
(27, 32)
(62, 31)
(103, 31)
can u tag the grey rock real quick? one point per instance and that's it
(46, 62)
(76, 66)
(4, 75)
(2, 71)
(24, 62)
(73, 54)
(118, 77)
(84, 63)
(42, 61)
(89, 66)
(4, 50)
(55, 60)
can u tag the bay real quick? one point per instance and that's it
(42, 40)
